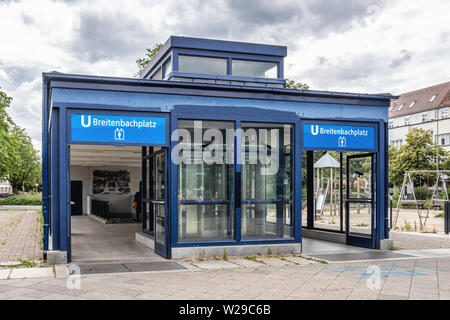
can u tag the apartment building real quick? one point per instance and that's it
(425, 108)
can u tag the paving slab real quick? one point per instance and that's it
(24, 273)
(247, 263)
(214, 264)
(4, 274)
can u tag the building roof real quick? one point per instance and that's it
(421, 100)
(327, 161)
(214, 45)
(74, 81)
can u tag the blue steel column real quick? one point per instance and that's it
(381, 187)
(297, 165)
(63, 180)
(45, 186)
(54, 185)
(386, 175)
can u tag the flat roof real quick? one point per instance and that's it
(215, 45)
(89, 82)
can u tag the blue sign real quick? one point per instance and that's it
(117, 128)
(338, 136)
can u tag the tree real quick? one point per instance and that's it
(142, 62)
(26, 171)
(419, 153)
(291, 84)
(6, 161)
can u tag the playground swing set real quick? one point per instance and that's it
(327, 185)
(408, 195)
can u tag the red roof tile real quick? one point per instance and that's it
(422, 100)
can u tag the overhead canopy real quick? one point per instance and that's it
(327, 161)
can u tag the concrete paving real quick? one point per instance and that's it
(93, 241)
(403, 279)
(20, 236)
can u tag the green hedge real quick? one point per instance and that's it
(25, 200)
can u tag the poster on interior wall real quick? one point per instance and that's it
(111, 182)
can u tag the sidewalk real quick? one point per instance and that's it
(20, 235)
(236, 279)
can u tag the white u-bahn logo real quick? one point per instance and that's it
(315, 131)
(88, 124)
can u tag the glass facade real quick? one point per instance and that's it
(206, 191)
(202, 65)
(254, 69)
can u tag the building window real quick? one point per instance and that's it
(406, 121)
(444, 113)
(157, 75)
(397, 143)
(167, 68)
(391, 124)
(432, 98)
(202, 65)
(255, 69)
(412, 104)
(400, 108)
(425, 117)
(444, 139)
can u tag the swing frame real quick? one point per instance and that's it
(407, 176)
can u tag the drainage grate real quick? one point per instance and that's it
(129, 267)
(356, 256)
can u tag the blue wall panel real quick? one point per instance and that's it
(166, 102)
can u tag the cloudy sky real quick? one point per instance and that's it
(340, 45)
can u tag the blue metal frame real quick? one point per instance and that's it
(352, 238)
(380, 231)
(237, 115)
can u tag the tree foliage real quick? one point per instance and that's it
(26, 171)
(19, 161)
(291, 84)
(5, 142)
(418, 153)
(142, 62)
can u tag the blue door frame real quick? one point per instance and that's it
(361, 240)
(380, 229)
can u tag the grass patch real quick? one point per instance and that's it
(23, 200)
(314, 259)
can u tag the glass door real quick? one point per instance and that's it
(154, 201)
(359, 204)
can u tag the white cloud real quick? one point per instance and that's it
(361, 45)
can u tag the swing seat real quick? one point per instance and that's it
(420, 203)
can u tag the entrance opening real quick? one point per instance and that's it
(106, 189)
(338, 193)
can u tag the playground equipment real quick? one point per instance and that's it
(330, 186)
(408, 196)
